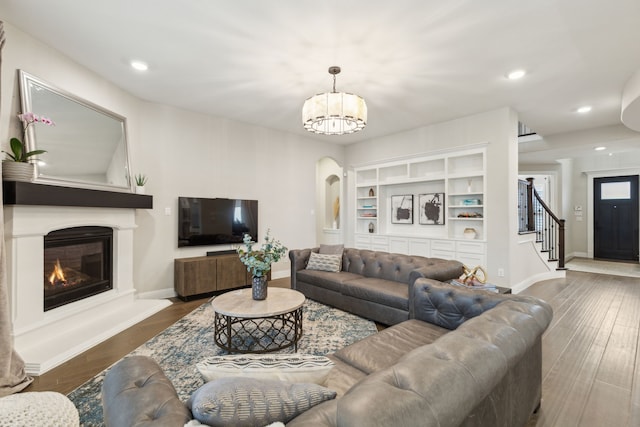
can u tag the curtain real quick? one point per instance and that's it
(12, 375)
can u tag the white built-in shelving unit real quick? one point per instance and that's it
(459, 174)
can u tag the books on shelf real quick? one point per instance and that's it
(482, 287)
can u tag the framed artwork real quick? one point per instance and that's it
(402, 209)
(431, 208)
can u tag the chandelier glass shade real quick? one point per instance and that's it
(334, 113)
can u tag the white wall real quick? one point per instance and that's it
(499, 129)
(183, 154)
(583, 170)
(573, 166)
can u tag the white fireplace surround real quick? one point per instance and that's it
(46, 339)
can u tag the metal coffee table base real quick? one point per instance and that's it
(258, 335)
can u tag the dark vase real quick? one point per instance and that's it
(259, 287)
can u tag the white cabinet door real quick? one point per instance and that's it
(399, 245)
(362, 241)
(419, 247)
(380, 243)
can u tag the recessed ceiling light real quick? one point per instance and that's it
(600, 148)
(139, 65)
(584, 109)
(516, 74)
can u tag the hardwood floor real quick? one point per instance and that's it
(75, 372)
(71, 374)
(591, 368)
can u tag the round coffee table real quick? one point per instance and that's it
(245, 325)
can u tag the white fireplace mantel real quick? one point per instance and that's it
(47, 339)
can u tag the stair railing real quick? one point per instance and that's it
(534, 216)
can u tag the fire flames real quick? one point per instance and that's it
(57, 275)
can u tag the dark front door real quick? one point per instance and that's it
(615, 217)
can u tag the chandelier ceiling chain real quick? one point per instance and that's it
(334, 113)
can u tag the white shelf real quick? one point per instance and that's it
(459, 174)
(475, 193)
(466, 175)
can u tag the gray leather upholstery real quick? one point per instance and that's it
(371, 284)
(467, 358)
(463, 377)
(135, 392)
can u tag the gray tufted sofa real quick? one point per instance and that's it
(465, 358)
(372, 284)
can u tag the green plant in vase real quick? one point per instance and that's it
(140, 180)
(18, 162)
(258, 261)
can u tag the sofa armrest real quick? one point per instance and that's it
(135, 392)
(446, 305)
(449, 306)
(442, 270)
(443, 383)
(299, 259)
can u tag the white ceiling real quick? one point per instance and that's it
(416, 62)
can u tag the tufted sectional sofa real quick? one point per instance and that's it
(371, 284)
(465, 358)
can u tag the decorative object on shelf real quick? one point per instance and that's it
(336, 212)
(371, 227)
(431, 208)
(141, 180)
(371, 192)
(402, 209)
(469, 215)
(471, 202)
(469, 181)
(259, 261)
(334, 113)
(469, 233)
(18, 164)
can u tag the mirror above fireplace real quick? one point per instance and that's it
(86, 148)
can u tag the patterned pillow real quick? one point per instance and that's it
(323, 262)
(249, 402)
(295, 368)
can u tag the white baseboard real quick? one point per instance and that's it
(280, 274)
(572, 255)
(158, 294)
(553, 274)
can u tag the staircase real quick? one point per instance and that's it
(534, 216)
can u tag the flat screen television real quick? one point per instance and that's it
(203, 221)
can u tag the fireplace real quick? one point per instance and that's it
(46, 339)
(77, 264)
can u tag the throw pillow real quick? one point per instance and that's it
(331, 249)
(322, 262)
(247, 402)
(295, 368)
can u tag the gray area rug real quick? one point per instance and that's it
(178, 348)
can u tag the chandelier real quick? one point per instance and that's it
(334, 113)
